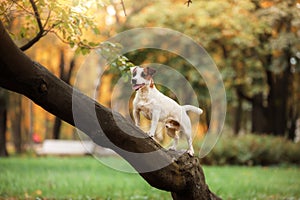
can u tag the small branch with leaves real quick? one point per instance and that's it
(41, 32)
(188, 2)
(123, 6)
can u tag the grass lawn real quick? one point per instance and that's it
(87, 178)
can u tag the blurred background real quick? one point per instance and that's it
(254, 43)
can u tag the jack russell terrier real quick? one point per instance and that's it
(159, 108)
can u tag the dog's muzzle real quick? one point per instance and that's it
(133, 81)
(136, 86)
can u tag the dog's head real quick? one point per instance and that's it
(141, 77)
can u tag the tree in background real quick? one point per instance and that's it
(277, 48)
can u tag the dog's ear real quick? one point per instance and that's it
(132, 69)
(150, 71)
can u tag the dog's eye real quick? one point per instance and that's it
(134, 73)
(143, 74)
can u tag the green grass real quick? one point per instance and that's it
(87, 178)
(70, 178)
(265, 183)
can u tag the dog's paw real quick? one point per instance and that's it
(150, 135)
(190, 152)
(172, 148)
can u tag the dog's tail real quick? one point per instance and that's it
(194, 109)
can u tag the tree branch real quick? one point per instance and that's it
(242, 95)
(22, 7)
(188, 2)
(40, 34)
(123, 6)
(253, 100)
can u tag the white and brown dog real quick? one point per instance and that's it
(159, 108)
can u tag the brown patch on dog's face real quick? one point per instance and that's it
(148, 73)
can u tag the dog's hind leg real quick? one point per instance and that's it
(175, 143)
(190, 143)
(187, 130)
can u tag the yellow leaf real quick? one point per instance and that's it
(266, 4)
(38, 192)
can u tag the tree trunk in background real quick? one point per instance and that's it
(57, 121)
(3, 122)
(31, 125)
(279, 88)
(181, 175)
(238, 116)
(277, 109)
(16, 120)
(66, 77)
(279, 75)
(56, 128)
(270, 115)
(259, 115)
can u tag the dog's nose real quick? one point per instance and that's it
(133, 81)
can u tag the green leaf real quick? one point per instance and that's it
(96, 31)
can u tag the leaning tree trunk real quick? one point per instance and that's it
(181, 175)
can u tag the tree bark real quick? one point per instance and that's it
(181, 175)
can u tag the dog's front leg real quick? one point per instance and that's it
(154, 121)
(136, 116)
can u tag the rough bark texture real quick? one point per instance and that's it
(195, 180)
(182, 176)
